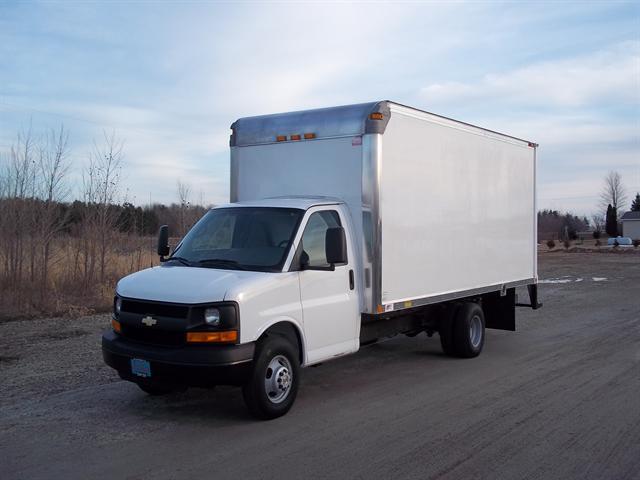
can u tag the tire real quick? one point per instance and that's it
(468, 330)
(273, 384)
(156, 389)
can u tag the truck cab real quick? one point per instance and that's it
(247, 272)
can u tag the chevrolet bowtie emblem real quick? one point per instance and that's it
(149, 321)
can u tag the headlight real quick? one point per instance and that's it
(212, 316)
(117, 306)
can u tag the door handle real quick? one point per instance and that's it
(352, 282)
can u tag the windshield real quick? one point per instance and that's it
(241, 238)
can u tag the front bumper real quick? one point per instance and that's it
(188, 365)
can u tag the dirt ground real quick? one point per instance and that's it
(559, 398)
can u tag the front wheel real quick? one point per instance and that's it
(273, 384)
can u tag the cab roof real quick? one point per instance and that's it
(303, 203)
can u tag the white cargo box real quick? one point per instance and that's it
(444, 209)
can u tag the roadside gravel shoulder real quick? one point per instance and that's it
(42, 357)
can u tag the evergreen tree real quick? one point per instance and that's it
(635, 205)
(611, 221)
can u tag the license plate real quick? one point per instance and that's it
(140, 367)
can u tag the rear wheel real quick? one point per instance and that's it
(273, 384)
(463, 335)
(468, 330)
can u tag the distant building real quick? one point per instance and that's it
(631, 225)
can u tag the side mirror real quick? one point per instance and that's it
(336, 246)
(163, 241)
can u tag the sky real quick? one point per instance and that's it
(169, 78)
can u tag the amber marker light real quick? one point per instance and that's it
(116, 325)
(376, 116)
(212, 337)
(281, 138)
(309, 136)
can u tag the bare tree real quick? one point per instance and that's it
(597, 220)
(613, 193)
(184, 192)
(53, 167)
(101, 185)
(16, 219)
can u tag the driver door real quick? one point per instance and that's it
(330, 305)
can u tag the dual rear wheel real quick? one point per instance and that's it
(463, 334)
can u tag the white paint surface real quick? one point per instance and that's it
(457, 207)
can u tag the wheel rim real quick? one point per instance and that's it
(475, 331)
(278, 379)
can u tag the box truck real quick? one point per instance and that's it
(346, 225)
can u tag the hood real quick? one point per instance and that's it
(179, 284)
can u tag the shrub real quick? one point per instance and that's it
(566, 243)
(596, 234)
(551, 244)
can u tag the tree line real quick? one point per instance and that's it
(553, 224)
(58, 255)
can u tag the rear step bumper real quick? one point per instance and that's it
(189, 365)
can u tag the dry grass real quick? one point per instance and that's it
(70, 288)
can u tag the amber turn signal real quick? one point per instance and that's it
(116, 325)
(212, 337)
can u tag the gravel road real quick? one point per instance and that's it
(558, 399)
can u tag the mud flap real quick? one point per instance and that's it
(500, 310)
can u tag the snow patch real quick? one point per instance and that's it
(556, 280)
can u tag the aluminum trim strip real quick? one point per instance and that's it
(371, 221)
(234, 173)
(419, 302)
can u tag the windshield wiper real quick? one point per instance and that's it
(183, 261)
(222, 262)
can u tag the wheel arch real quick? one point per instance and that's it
(289, 330)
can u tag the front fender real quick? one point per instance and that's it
(290, 321)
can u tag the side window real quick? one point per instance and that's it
(314, 236)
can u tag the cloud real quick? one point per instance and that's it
(607, 75)
(557, 131)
